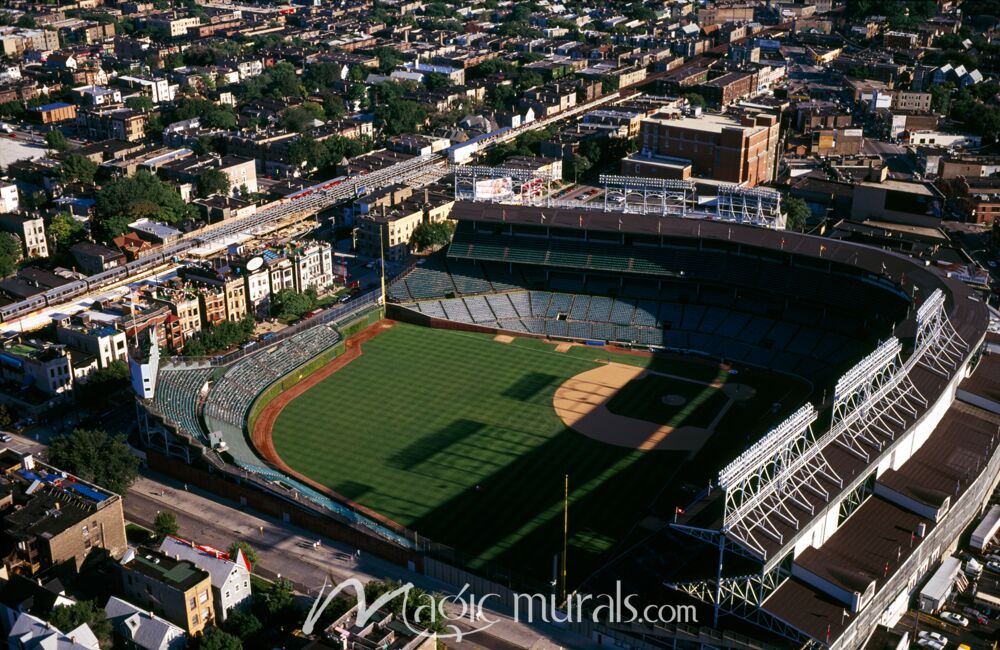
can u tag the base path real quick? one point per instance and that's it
(263, 441)
(581, 403)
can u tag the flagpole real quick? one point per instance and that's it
(565, 533)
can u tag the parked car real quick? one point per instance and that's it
(5, 437)
(954, 619)
(928, 642)
(937, 636)
(993, 565)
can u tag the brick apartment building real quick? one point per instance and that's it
(50, 518)
(718, 147)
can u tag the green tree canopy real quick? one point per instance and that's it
(429, 234)
(248, 552)
(10, 253)
(289, 304)
(213, 181)
(302, 117)
(56, 140)
(165, 524)
(139, 103)
(67, 618)
(126, 199)
(797, 212)
(217, 639)
(96, 456)
(78, 168)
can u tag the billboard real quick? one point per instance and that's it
(494, 189)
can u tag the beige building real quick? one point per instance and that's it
(50, 523)
(174, 25)
(30, 230)
(175, 589)
(396, 225)
(184, 304)
(46, 366)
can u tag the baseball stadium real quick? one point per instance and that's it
(790, 431)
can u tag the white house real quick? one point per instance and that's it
(230, 577)
(142, 629)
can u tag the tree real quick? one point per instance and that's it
(7, 417)
(96, 456)
(165, 524)
(217, 639)
(797, 213)
(67, 618)
(64, 230)
(436, 81)
(694, 99)
(289, 304)
(212, 182)
(56, 140)
(248, 552)
(581, 165)
(139, 103)
(303, 117)
(104, 382)
(78, 168)
(428, 234)
(243, 624)
(126, 199)
(279, 597)
(10, 253)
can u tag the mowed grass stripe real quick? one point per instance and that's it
(424, 416)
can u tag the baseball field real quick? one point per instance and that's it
(465, 438)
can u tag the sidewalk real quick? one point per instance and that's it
(289, 552)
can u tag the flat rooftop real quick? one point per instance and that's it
(707, 123)
(180, 574)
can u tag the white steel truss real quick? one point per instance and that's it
(648, 195)
(773, 475)
(743, 597)
(757, 206)
(939, 347)
(872, 399)
(715, 537)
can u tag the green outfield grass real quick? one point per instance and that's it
(453, 435)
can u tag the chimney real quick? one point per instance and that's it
(921, 530)
(57, 505)
(28, 463)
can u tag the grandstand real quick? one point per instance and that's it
(818, 532)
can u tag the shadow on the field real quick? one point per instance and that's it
(353, 490)
(533, 385)
(427, 447)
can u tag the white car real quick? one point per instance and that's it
(927, 642)
(935, 636)
(993, 565)
(955, 619)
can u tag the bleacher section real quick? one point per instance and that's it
(231, 396)
(177, 392)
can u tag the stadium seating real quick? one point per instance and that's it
(581, 304)
(560, 304)
(233, 393)
(622, 311)
(176, 396)
(540, 303)
(600, 309)
(456, 310)
(501, 306)
(521, 303)
(468, 278)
